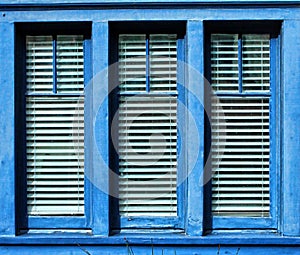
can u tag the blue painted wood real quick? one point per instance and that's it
(97, 173)
(240, 63)
(181, 135)
(135, 2)
(290, 118)
(79, 249)
(149, 222)
(148, 28)
(7, 130)
(147, 64)
(56, 222)
(54, 48)
(242, 223)
(88, 129)
(146, 238)
(176, 14)
(252, 222)
(195, 128)
(98, 91)
(275, 124)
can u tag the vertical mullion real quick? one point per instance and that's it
(54, 62)
(147, 64)
(240, 63)
(274, 112)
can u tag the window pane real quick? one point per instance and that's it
(224, 63)
(132, 63)
(69, 64)
(256, 63)
(148, 156)
(55, 156)
(148, 129)
(54, 132)
(240, 157)
(163, 63)
(39, 64)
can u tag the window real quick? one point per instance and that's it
(148, 125)
(145, 127)
(147, 116)
(242, 128)
(54, 191)
(55, 125)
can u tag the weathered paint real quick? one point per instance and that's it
(77, 249)
(7, 132)
(290, 129)
(100, 13)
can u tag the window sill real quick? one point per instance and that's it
(149, 238)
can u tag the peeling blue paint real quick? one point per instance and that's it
(192, 239)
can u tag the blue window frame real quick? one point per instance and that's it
(236, 199)
(193, 218)
(47, 62)
(142, 38)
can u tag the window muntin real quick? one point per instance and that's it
(147, 125)
(240, 122)
(55, 125)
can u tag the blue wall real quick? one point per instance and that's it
(287, 238)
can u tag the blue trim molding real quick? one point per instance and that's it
(7, 126)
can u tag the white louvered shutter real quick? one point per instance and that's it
(148, 133)
(55, 128)
(241, 137)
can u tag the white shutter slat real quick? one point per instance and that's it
(240, 157)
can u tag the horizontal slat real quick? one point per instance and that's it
(246, 208)
(145, 196)
(53, 170)
(145, 208)
(140, 202)
(44, 190)
(255, 191)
